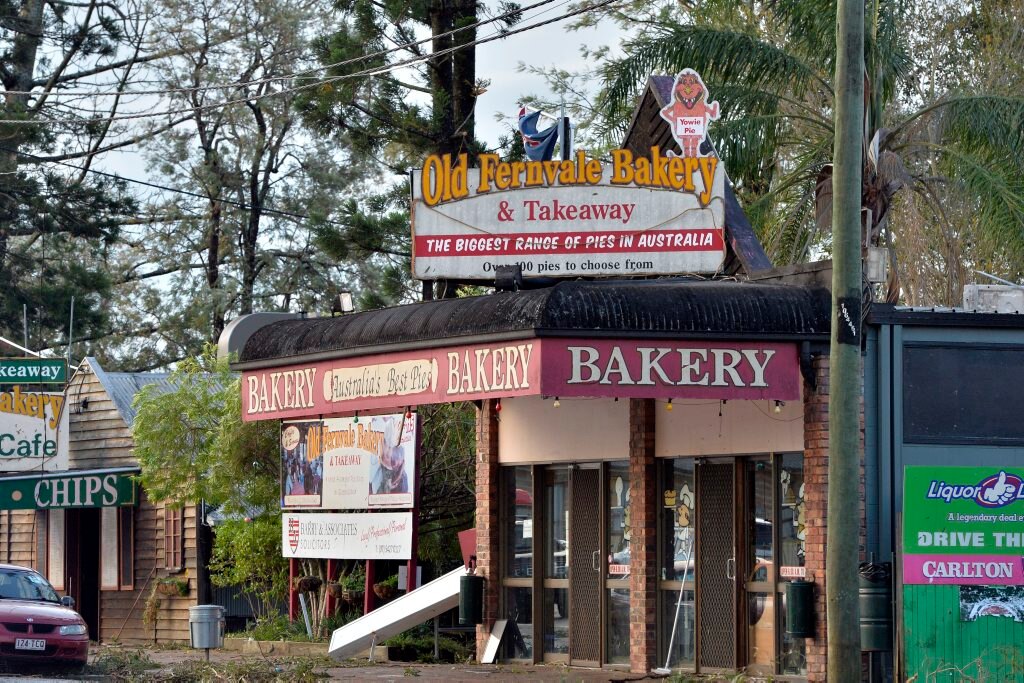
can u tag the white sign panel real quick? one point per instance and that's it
(347, 536)
(33, 431)
(580, 217)
(349, 463)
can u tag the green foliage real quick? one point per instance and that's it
(276, 627)
(355, 580)
(247, 553)
(192, 444)
(121, 664)
(417, 645)
(943, 124)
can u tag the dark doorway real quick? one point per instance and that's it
(82, 543)
(716, 566)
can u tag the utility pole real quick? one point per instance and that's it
(842, 551)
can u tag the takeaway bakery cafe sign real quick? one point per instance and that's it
(579, 216)
(33, 431)
(550, 367)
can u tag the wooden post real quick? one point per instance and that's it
(293, 594)
(368, 595)
(410, 578)
(841, 549)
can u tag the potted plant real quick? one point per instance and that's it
(307, 584)
(172, 586)
(354, 586)
(387, 588)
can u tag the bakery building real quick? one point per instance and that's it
(652, 445)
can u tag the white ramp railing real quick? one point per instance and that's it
(411, 609)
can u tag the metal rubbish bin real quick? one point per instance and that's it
(875, 593)
(206, 626)
(800, 609)
(471, 600)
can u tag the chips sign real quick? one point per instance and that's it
(637, 215)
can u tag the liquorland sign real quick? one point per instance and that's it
(963, 525)
(551, 367)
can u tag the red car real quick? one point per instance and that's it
(36, 625)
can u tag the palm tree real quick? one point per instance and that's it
(936, 148)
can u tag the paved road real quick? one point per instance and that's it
(356, 670)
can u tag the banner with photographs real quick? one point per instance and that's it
(349, 463)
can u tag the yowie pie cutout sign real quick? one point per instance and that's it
(635, 214)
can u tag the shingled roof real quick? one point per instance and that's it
(680, 308)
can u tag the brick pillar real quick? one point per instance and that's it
(643, 510)
(816, 502)
(816, 450)
(487, 530)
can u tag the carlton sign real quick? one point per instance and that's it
(568, 218)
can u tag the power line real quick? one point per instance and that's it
(369, 72)
(284, 77)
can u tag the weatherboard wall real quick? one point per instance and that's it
(101, 438)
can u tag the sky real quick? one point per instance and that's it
(497, 61)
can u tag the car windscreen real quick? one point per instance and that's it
(22, 585)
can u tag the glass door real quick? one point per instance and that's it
(759, 565)
(555, 577)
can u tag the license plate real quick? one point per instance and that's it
(29, 644)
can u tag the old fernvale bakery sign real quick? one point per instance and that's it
(551, 367)
(567, 218)
(345, 463)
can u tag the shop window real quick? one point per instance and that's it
(518, 542)
(126, 547)
(174, 539)
(41, 523)
(619, 536)
(517, 513)
(678, 505)
(792, 545)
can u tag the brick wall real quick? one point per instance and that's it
(487, 529)
(816, 451)
(643, 561)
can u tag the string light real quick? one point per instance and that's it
(778, 406)
(497, 406)
(355, 420)
(557, 403)
(668, 406)
(408, 412)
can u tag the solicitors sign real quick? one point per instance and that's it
(963, 525)
(347, 536)
(566, 218)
